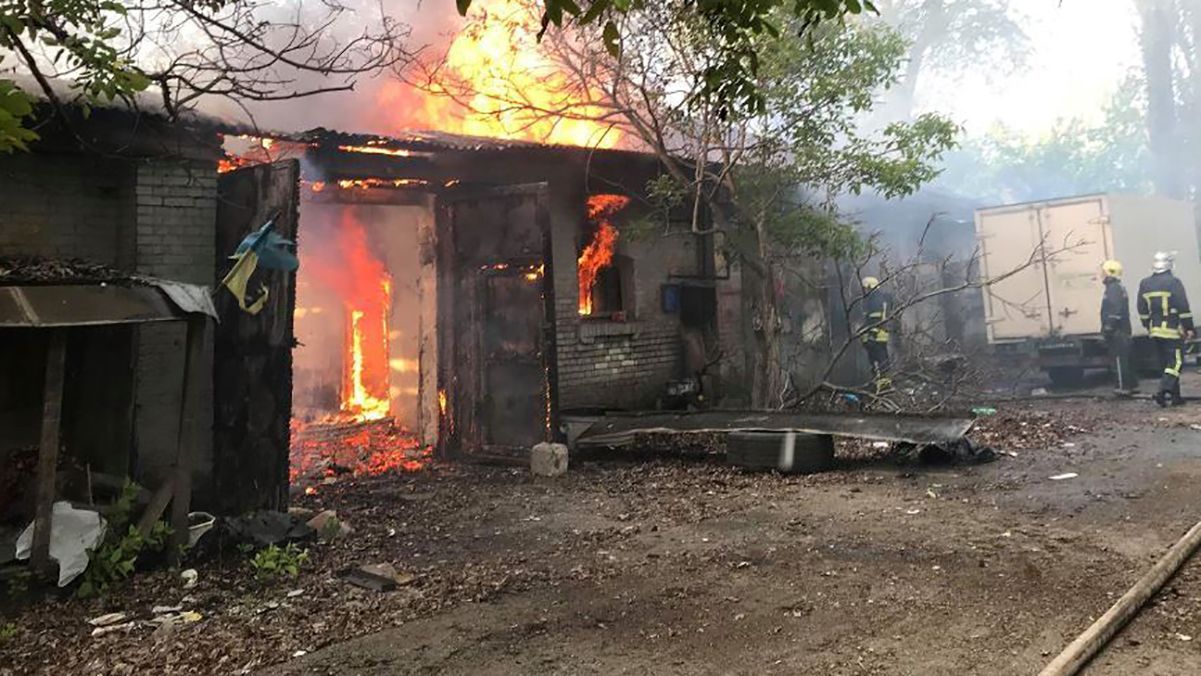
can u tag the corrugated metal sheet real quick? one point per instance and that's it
(617, 431)
(82, 305)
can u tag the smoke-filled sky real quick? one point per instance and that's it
(1081, 50)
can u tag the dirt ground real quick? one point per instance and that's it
(668, 564)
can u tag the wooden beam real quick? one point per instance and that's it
(185, 445)
(52, 404)
(156, 506)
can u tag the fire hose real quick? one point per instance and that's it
(1097, 636)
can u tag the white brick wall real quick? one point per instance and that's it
(175, 221)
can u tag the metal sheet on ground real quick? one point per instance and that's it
(617, 431)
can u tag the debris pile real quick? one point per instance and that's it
(323, 451)
(35, 270)
(1019, 430)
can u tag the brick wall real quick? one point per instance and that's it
(66, 206)
(156, 217)
(616, 364)
(175, 221)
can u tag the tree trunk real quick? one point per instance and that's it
(1191, 105)
(1156, 37)
(768, 373)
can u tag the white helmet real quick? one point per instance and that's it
(1163, 261)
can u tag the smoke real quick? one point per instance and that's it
(379, 102)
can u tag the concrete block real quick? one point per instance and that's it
(548, 459)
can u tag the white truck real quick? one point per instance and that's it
(1052, 305)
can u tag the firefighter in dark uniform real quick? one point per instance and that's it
(1115, 327)
(1163, 308)
(877, 311)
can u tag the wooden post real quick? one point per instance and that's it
(185, 446)
(52, 404)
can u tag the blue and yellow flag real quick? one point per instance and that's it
(261, 247)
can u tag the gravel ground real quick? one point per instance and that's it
(670, 562)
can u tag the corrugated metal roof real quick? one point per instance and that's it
(421, 140)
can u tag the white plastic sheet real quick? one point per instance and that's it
(72, 533)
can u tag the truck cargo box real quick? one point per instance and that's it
(1060, 294)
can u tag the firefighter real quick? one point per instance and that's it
(1115, 326)
(877, 310)
(1164, 311)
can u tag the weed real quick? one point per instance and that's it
(18, 583)
(274, 562)
(117, 555)
(8, 631)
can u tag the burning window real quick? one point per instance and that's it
(603, 275)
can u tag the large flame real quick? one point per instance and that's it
(598, 254)
(498, 81)
(362, 283)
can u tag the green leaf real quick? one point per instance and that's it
(595, 10)
(612, 39)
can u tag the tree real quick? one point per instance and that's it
(764, 177)
(1158, 35)
(182, 51)
(1072, 158)
(952, 36)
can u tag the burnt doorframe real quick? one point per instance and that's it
(453, 440)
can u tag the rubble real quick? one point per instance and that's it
(548, 460)
(265, 528)
(36, 270)
(107, 619)
(328, 526)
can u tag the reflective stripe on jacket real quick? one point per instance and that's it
(1163, 306)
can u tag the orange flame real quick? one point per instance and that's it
(442, 402)
(359, 279)
(498, 81)
(372, 182)
(598, 255)
(360, 401)
(321, 451)
(377, 149)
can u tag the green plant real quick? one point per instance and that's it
(274, 562)
(117, 555)
(8, 631)
(18, 583)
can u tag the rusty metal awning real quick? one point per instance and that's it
(617, 431)
(83, 305)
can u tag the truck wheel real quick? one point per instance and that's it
(769, 450)
(1066, 376)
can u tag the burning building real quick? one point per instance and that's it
(455, 292)
(479, 292)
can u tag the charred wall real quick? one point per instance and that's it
(622, 361)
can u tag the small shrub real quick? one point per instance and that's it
(117, 555)
(8, 631)
(273, 562)
(18, 583)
